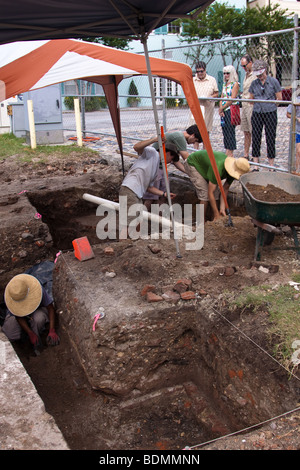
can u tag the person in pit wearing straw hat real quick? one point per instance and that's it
(201, 173)
(30, 308)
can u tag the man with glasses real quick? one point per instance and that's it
(264, 114)
(206, 87)
(246, 63)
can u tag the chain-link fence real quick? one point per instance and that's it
(274, 135)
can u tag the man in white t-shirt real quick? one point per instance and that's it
(206, 87)
(142, 175)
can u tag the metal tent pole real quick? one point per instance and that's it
(144, 41)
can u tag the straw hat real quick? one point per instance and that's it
(23, 295)
(236, 167)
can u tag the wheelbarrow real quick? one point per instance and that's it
(269, 216)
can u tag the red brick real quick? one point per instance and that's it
(182, 285)
(152, 297)
(188, 295)
(147, 288)
(171, 296)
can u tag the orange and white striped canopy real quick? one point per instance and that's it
(30, 65)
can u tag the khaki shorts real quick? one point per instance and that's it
(246, 118)
(132, 199)
(200, 183)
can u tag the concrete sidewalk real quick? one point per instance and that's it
(24, 422)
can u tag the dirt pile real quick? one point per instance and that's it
(271, 193)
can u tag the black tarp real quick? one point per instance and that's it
(63, 19)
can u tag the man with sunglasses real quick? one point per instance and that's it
(246, 63)
(264, 114)
(206, 87)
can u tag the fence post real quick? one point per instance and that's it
(292, 149)
(78, 123)
(31, 124)
(82, 100)
(82, 91)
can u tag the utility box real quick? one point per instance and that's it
(17, 117)
(47, 109)
(5, 120)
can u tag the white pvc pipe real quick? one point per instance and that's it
(145, 214)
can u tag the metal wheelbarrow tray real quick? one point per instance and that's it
(267, 215)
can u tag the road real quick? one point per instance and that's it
(138, 124)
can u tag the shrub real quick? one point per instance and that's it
(133, 100)
(92, 103)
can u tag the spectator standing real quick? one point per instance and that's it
(246, 63)
(230, 90)
(264, 115)
(206, 87)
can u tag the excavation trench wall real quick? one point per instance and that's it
(140, 350)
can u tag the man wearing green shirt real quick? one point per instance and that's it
(201, 173)
(182, 139)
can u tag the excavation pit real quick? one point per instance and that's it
(68, 216)
(159, 371)
(156, 376)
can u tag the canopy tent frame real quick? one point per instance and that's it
(136, 20)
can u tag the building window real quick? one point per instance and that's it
(70, 88)
(173, 28)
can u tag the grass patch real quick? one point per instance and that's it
(11, 145)
(283, 306)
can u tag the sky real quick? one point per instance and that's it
(234, 3)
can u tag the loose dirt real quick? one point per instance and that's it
(271, 193)
(225, 264)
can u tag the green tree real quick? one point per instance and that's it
(117, 43)
(134, 99)
(221, 21)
